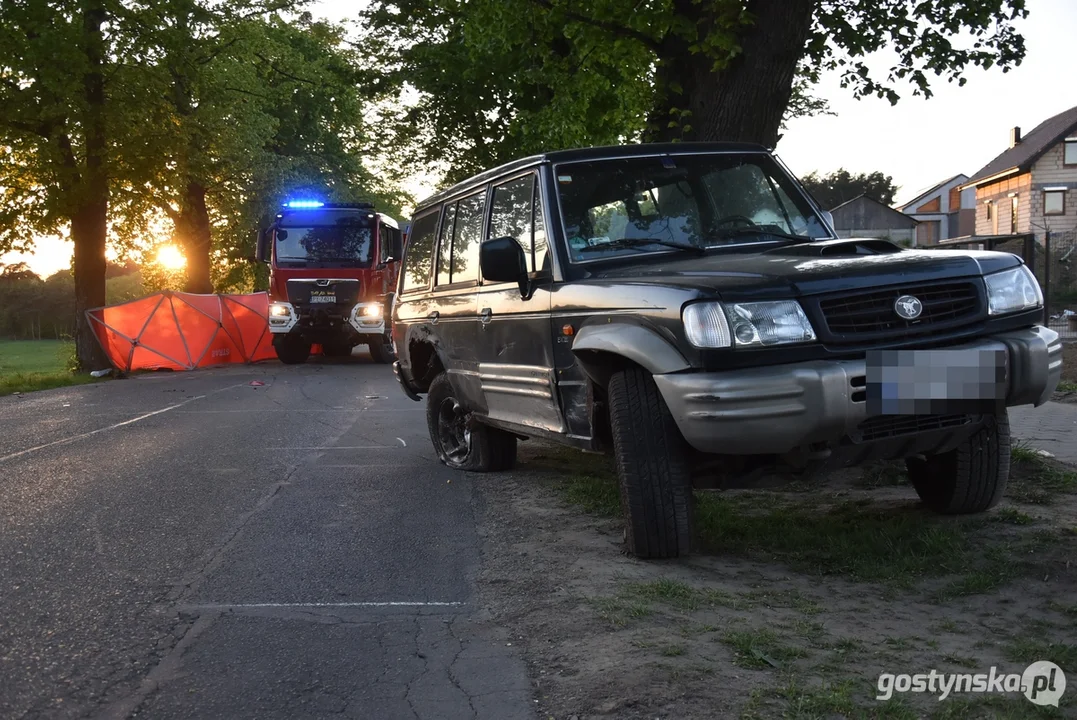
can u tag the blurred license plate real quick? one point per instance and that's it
(935, 382)
(323, 298)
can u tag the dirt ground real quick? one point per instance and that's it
(799, 599)
(1067, 389)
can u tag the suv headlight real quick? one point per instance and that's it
(1012, 291)
(754, 324)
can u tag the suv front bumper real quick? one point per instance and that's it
(775, 409)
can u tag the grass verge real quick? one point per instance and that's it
(1035, 479)
(29, 365)
(864, 540)
(29, 382)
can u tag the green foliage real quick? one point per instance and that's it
(42, 104)
(35, 309)
(840, 186)
(494, 79)
(214, 111)
(247, 106)
(466, 86)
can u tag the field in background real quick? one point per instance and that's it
(27, 365)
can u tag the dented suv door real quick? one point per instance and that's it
(516, 367)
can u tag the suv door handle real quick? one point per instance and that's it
(433, 317)
(485, 315)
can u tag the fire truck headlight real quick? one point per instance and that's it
(373, 310)
(280, 310)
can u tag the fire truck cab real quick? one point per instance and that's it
(333, 267)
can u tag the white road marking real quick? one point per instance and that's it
(241, 606)
(263, 411)
(360, 465)
(338, 447)
(81, 436)
(402, 442)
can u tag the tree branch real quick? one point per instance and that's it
(39, 129)
(170, 211)
(273, 66)
(248, 92)
(611, 27)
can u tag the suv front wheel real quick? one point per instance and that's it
(652, 466)
(970, 478)
(460, 443)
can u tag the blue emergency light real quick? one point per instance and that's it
(304, 204)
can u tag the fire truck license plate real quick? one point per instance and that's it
(323, 298)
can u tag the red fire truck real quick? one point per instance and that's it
(333, 267)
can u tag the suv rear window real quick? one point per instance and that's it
(418, 260)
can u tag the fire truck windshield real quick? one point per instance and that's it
(342, 243)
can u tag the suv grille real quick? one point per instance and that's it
(888, 426)
(873, 312)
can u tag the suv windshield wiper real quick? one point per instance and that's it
(730, 234)
(642, 242)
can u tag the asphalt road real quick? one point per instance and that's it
(193, 546)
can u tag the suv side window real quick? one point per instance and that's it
(511, 214)
(467, 237)
(418, 263)
(445, 245)
(517, 213)
(539, 256)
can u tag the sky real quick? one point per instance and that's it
(919, 142)
(960, 129)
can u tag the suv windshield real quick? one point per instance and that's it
(629, 206)
(347, 242)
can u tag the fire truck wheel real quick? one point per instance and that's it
(291, 351)
(381, 352)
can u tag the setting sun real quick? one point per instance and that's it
(171, 257)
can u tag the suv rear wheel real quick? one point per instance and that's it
(970, 478)
(656, 487)
(477, 448)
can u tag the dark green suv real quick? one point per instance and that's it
(689, 308)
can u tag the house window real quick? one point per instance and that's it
(990, 210)
(1013, 215)
(1054, 201)
(1069, 152)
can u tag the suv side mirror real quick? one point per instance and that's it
(503, 260)
(829, 219)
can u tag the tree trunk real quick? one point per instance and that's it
(195, 236)
(89, 221)
(744, 101)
